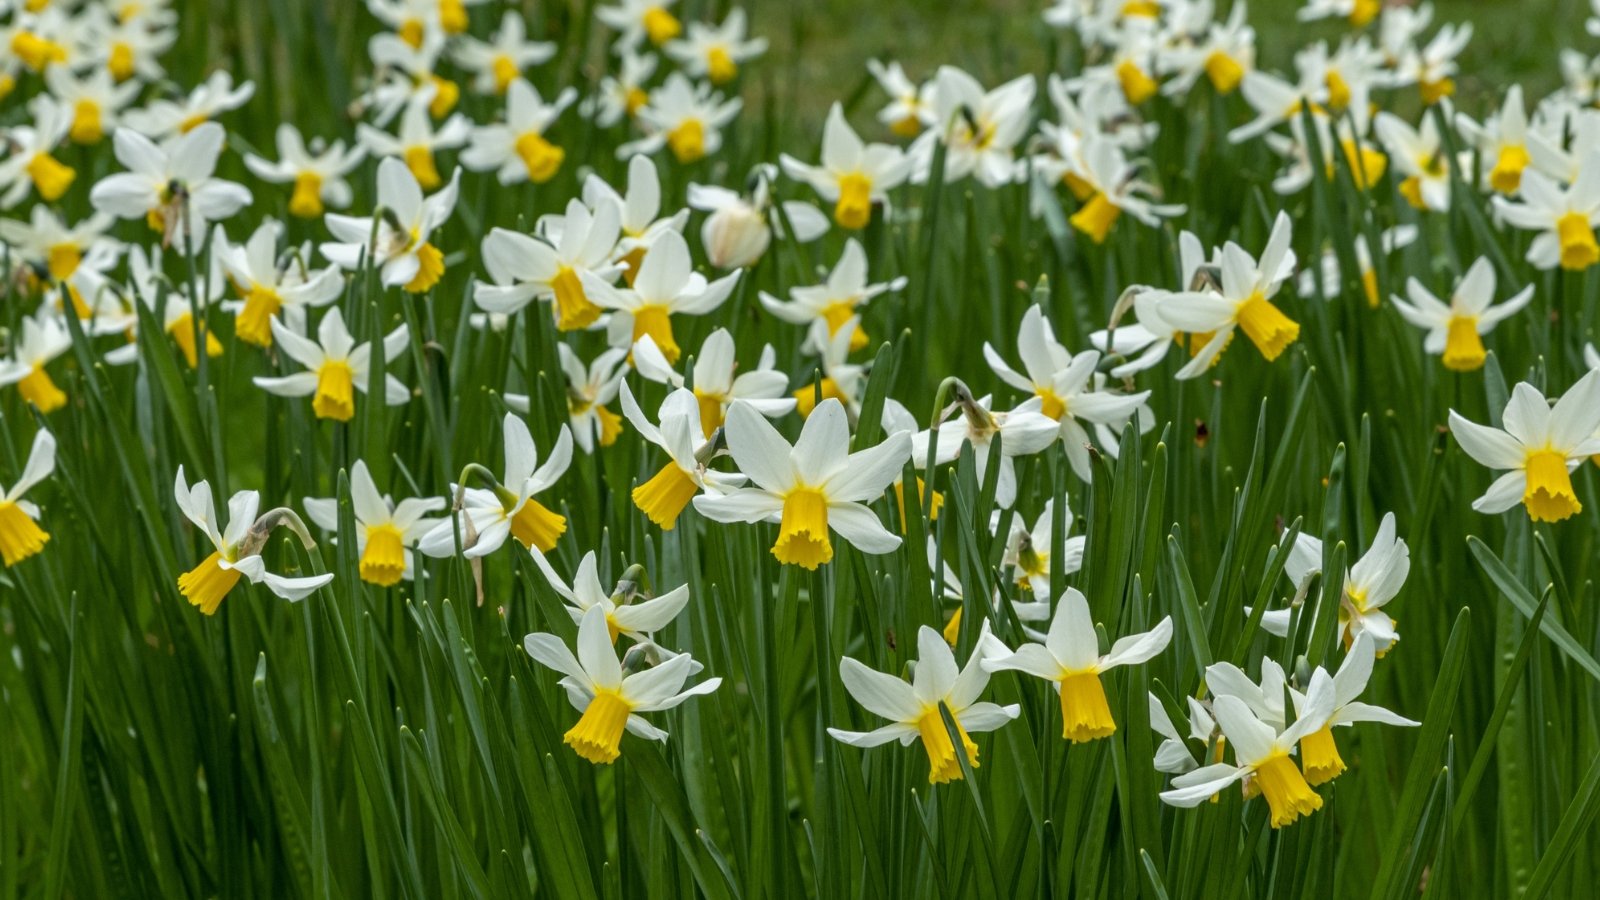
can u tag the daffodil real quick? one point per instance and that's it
(637, 21)
(502, 59)
(486, 517)
(1112, 188)
(715, 383)
(174, 307)
(20, 534)
(980, 130)
(910, 106)
(31, 165)
(317, 173)
(335, 367)
(1419, 158)
(663, 496)
(1369, 586)
(1242, 300)
(838, 300)
(1564, 219)
(553, 264)
(810, 488)
(41, 338)
(1024, 431)
(211, 98)
(1028, 556)
(418, 142)
(1329, 277)
(1432, 68)
(641, 219)
(415, 20)
(270, 287)
(130, 49)
(1276, 101)
(1455, 330)
(517, 149)
(94, 98)
(683, 117)
(399, 243)
(611, 694)
(1539, 446)
(407, 76)
(1502, 142)
(716, 51)
(740, 228)
(841, 379)
(853, 176)
(237, 547)
(171, 185)
(1222, 56)
(384, 529)
(589, 390)
(1319, 753)
(666, 285)
(917, 710)
(1173, 756)
(1358, 13)
(622, 93)
(48, 242)
(623, 616)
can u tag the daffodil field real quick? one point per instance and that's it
(568, 448)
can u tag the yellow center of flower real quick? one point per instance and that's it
(1050, 403)
(1362, 12)
(412, 32)
(206, 584)
(445, 95)
(664, 496)
(1367, 164)
(1266, 326)
(1411, 189)
(633, 259)
(1085, 714)
(610, 425)
(1136, 85)
(837, 314)
(598, 735)
(419, 159)
(1463, 347)
(1369, 286)
(1548, 496)
(1096, 217)
(536, 526)
(1506, 176)
(1287, 793)
(430, 268)
(253, 325)
(306, 201)
(335, 396)
(20, 536)
(661, 25)
(192, 122)
(8, 83)
(1224, 71)
(37, 388)
(505, 71)
(50, 176)
(541, 158)
(182, 331)
(688, 141)
(952, 628)
(1319, 756)
(907, 126)
(720, 66)
(87, 127)
(803, 532)
(36, 52)
(573, 307)
(806, 397)
(922, 493)
(383, 562)
(120, 62)
(1578, 248)
(1437, 89)
(453, 16)
(62, 260)
(943, 764)
(710, 411)
(854, 209)
(655, 320)
(634, 98)
(1081, 190)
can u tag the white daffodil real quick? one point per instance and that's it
(1433, 67)
(1369, 585)
(666, 285)
(1242, 300)
(552, 265)
(684, 117)
(1419, 157)
(31, 165)
(1112, 188)
(1225, 53)
(836, 301)
(501, 60)
(131, 50)
(1276, 101)
(20, 534)
(209, 99)
(589, 389)
(406, 75)
(1070, 657)
(853, 175)
(910, 106)
(611, 694)
(1027, 554)
(636, 21)
(841, 380)
(486, 517)
(715, 51)
(317, 173)
(1359, 13)
(1456, 330)
(1540, 447)
(1330, 278)
(1565, 219)
(739, 229)
(1319, 753)
(170, 186)
(151, 288)
(1024, 431)
(406, 220)
(622, 93)
(715, 384)
(622, 616)
(41, 338)
(237, 547)
(810, 487)
(414, 20)
(1064, 384)
(269, 287)
(517, 150)
(46, 241)
(1173, 755)
(979, 129)
(1261, 754)
(917, 710)
(336, 366)
(1502, 142)
(642, 221)
(94, 98)
(384, 529)
(663, 497)
(418, 141)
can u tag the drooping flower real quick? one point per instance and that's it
(663, 497)
(485, 517)
(335, 367)
(623, 616)
(384, 529)
(20, 534)
(1540, 447)
(399, 247)
(1456, 330)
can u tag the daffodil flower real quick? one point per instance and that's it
(637, 21)
(177, 316)
(1540, 447)
(1319, 752)
(317, 173)
(1024, 432)
(94, 98)
(20, 534)
(268, 287)
(384, 529)
(335, 367)
(1276, 101)
(1112, 189)
(622, 93)
(501, 60)
(980, 130)
(170, 186)
(637, 620)
(1222, 56)
(552, 265)
(1028, 555)
(589, 389)
(1455, 331)
(405, 78)
(211, 98)
(1502, 142)
(418, 142)
(237, 547)
(517, 150)
(1070, 657)
(609, 695)
(1433, 67)
(400, 248)
(1330, 278)
(1359, 13)
(838, 300)
(641, 207)
(30, 165)
(811, 487)
(910, 106)
(1243, 300)
(916, 710)
(1564, 219)
(853, 175)
(486, 517)
(131, 50)
(739, 229)
(663, 497)
(1173, 756)
(1419, 157)
(46, 240)
(715, 384)
(1369, 585)
(715, 51)
(41, 339)
(841, 380)
(666, 285)
(683, 117)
